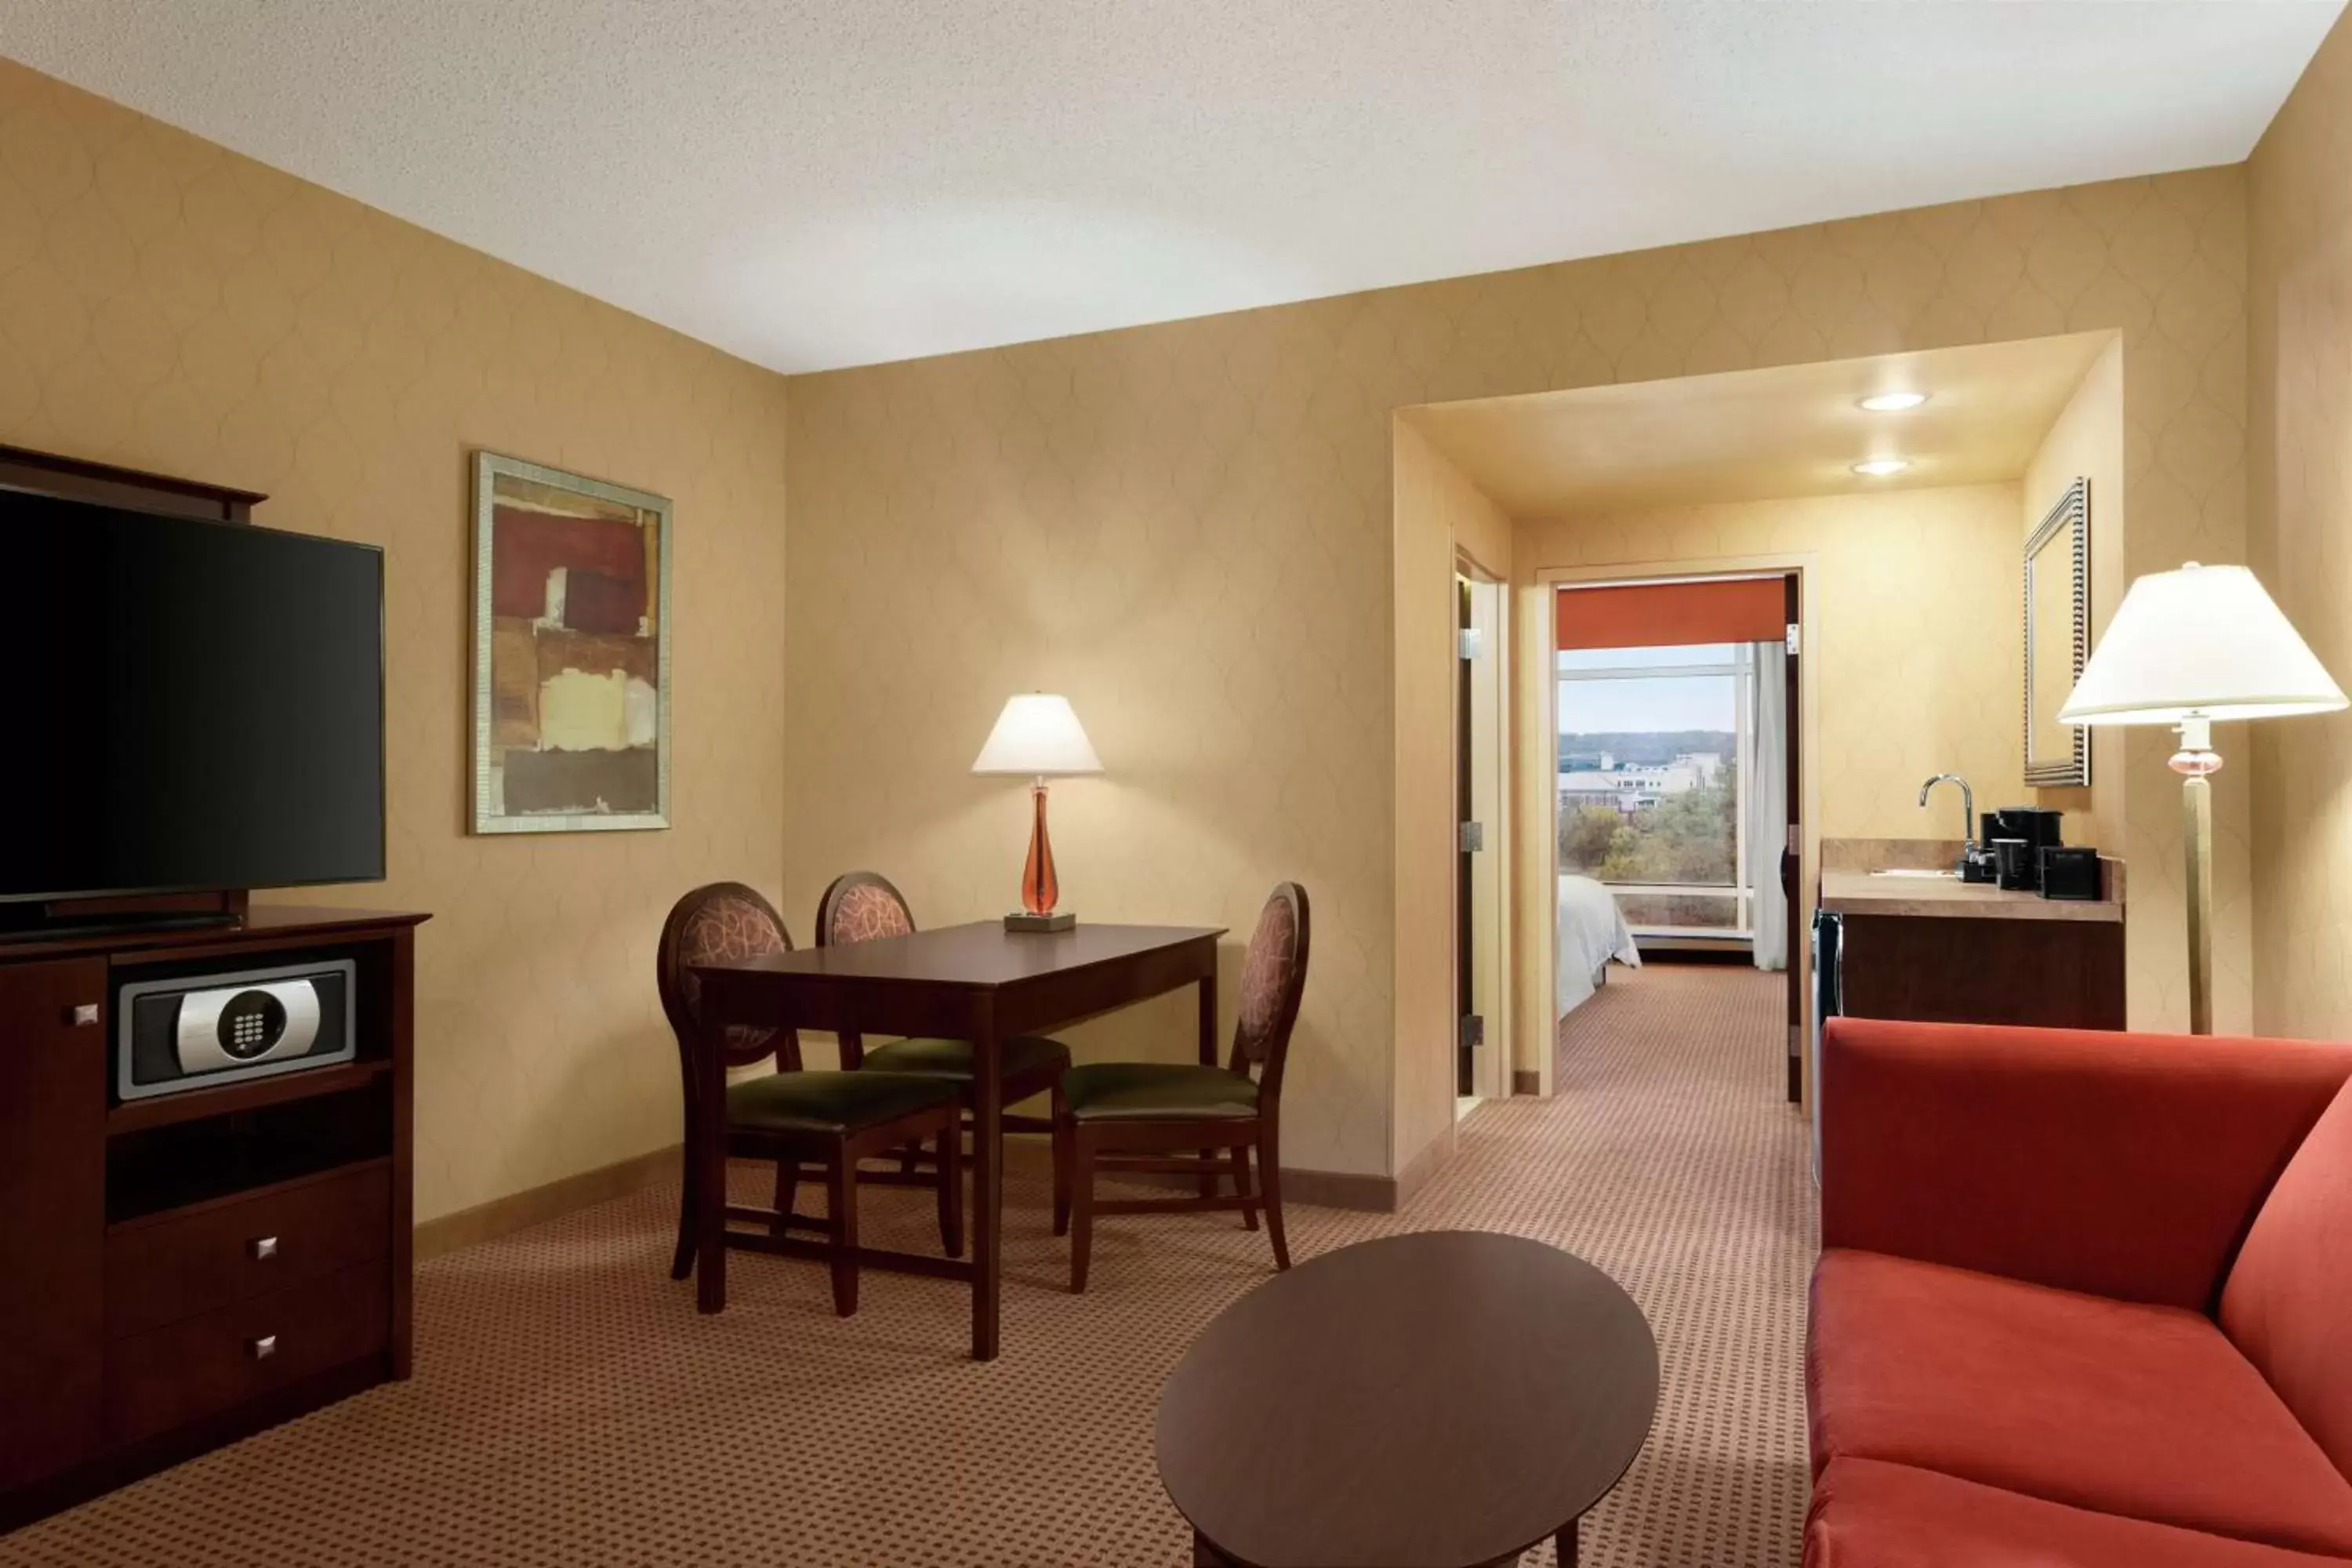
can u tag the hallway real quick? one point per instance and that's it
(1669, 1157)
(571, 1409)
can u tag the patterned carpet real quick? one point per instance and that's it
(570, 1408)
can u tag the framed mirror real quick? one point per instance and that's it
(2057, 638)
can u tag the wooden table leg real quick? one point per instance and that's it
(710, 1167)
(1208, 1027)
(1205, 1555)
(1564, 1545)
(1208, 1022)
(987, 1190)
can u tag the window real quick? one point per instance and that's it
(1653, 766)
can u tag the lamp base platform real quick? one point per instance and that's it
(1060, 920)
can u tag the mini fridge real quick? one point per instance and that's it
(1829, 934)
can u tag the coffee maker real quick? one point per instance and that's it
(2017, 834)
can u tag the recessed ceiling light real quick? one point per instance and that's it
(1894, 401)
(1879, 467)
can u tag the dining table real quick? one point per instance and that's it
(981, 983)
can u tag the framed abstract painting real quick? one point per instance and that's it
(570, 651)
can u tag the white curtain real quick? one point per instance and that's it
(1767, 804)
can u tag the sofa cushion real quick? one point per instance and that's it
(1867, 1514)
(2288, 1304)
(2116, 1407)
(2121, 1165)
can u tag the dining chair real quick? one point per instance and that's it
(1136, 1116)
(792, 1116)
(861, 906)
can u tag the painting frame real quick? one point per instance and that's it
(492, 812)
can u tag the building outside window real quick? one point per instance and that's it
(1654, 763)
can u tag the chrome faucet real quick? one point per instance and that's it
(1968, 814)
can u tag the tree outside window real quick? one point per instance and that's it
(1651, 804)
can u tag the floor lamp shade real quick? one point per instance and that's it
(2191, 649)
(2202, 642)
(1038, 734)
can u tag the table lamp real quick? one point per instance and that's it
(2189, 648)
(1039, 735)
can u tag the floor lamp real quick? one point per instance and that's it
(2192, 648)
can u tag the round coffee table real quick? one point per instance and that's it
(1440, 1400)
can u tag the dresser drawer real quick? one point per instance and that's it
(162, 1270)
(168, 1376)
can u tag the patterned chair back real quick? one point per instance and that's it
(713, 924)
(1274, 977)
(861, 906)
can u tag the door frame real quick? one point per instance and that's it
(1537, 793)
(1485, 989)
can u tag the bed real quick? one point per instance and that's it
(1592, 931)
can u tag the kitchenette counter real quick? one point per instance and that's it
(1940, 950)
(1865, 893)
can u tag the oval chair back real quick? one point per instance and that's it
(712, 924)
(1196, 1112)
(861, 906)
(1274, 976)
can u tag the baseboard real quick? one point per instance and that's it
(1697, 950)
(1341, 1190)
(535, 1205)
(1416, 1175)
(1523, 1081)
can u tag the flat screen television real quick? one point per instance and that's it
(189, 706)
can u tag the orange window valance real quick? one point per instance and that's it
(1664, 614)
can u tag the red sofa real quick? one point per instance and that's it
(2082, 1299)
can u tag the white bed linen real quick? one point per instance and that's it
(1593, 930)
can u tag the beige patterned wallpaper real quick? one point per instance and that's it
(1164, 527)
(1185, 527)
(2301, 308)
(1912, 668)
(1913, 638)
(1438, 514)
(168, 305)
(2086, 442)
(1188, 527)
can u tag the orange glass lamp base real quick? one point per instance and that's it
(1040, 890)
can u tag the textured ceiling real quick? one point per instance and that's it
(1762, 435)
(810, 184)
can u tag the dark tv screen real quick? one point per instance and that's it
(190, 705)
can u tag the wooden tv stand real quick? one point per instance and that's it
(179, 1271)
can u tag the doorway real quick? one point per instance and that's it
(1677, 793)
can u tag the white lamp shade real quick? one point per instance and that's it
(2204, 641)
(1037, 734)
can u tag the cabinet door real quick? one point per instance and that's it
(52, 1215)
(2040, 973)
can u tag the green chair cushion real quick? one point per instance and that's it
(1024, 1056)
(1157, 1091)
(831, 1101)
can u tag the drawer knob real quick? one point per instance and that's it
(263, 1247)
(263, 1348)
(82, 1015)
